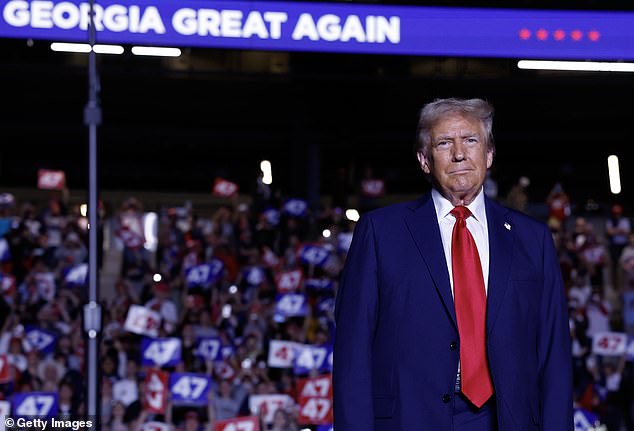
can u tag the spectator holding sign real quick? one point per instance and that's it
(452, 312)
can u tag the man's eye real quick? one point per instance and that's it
(472, 140)
(442, 143)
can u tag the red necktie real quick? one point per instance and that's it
(470, 303)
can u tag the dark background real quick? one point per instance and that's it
(176, 124)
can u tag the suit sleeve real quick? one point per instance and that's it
(554, 348)
(355, 315)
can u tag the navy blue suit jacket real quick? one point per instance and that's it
(397, 344)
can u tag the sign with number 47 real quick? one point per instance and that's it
(609, 343)
(250, 423)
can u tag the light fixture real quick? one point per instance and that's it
(577, 66)
(267, 175)
(84, 48)
(352, 214)
(614, 174)
(156, 51)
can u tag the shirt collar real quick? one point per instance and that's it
(444, 207)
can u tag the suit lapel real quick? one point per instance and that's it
(500, 258)
(423, 226)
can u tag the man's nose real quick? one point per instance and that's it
(458, 154)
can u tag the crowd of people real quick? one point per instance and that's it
(255, 280)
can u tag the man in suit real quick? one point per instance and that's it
(451, 314)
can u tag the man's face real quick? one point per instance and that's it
(457, 158)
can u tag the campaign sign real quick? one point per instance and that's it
(211, 349)
(250, 423)
(224, 188)
(315, 387)
(7, 283)
(45, 282)
(272, 216)
(5, 252)
(282, 353)
(585, 421)
(189, 388)
(155, 398)
(160, 351)
(224, 371)
(310, 358)
(313, 255)
(265, 406)
(373, 188)
(75, 276)
(290, 305)
(254, 275)
(51, 180)
(296, 207)
(155, 426)
(142, 321)
(609, 343)
(5, 410)
(326, 306)
(126, 391)
(40, 339)
(288, 281)
(314, 411)
(325, 428)
(4, 369)
(29, 404)
(319, 284)
(205, 274)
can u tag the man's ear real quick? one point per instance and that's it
(489, 158)
(422, 160)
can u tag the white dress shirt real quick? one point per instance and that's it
(476, 223)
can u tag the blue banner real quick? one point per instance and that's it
(160, 351)
(373, 29)
(189, 388)
(35, 404)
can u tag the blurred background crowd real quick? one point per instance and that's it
(229, 313)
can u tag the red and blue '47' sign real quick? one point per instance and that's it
(224, 188)
(211, 349)
(76, 276)
(155, 399)
(40, 339)
(250, 423)
(313, 255)
(585, 421)
(160, 351)
(319, 284)
(288, 281)
(308, 358)
(4, 369)
(5, 251)
(296, 207)
(315, 401)
(290, 305)
(205, 274)
(254, 275)
(189, 388)
(30, 404)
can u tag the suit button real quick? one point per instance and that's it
(446, 398)
(453, 346)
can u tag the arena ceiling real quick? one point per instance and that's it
(177, 124)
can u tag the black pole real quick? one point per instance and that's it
(92, 310)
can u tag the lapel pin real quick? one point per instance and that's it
(507, 226)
